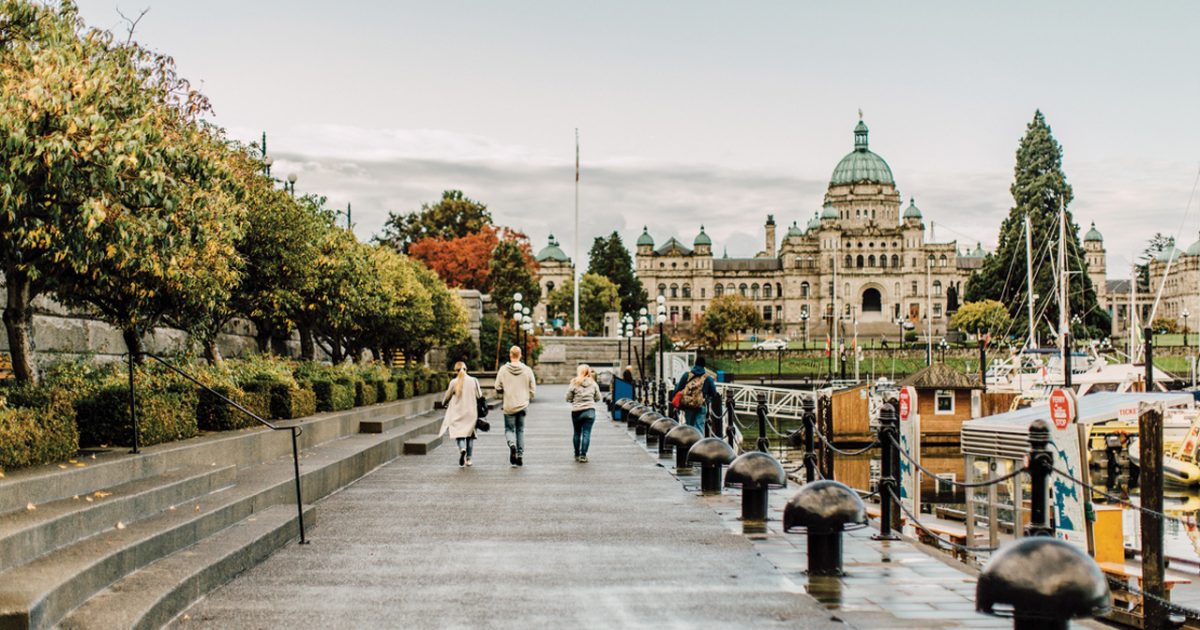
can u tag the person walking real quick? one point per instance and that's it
(583, 394)
(696, 389)
(462, 406)
(515, 382)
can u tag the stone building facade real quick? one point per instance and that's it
(555, 268)
(877, 258)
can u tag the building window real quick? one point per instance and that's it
(778, 313)
(871, 260)
(896, 290)
(778, 290)
(942, 261)
(849, 261)
(754, 291)
(662, 289)
(803, 289)
(883, 262)
(744, 290)
(859, 260)
(767, 291)
(943, 402)
(937, 288)
(729, 289)
(674, 290)
(846, 290)
(718, 291)
(937, 310)
(687, 313)
(895, 260)
(767, 313)
(701, 293)
(914, 288)
(674, 314)
(687, 291)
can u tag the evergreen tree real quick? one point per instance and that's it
(1039, 187)
(454, 216)
(611, 259)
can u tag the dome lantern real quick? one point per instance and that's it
(702, 238)
(1093, 235)
(912, 211)
(552, 252)
(829, 212)
(645, 238)
(861, 165)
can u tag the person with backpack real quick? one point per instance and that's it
(695, 390)
(583, 394)
(515, 382)
(461, 402)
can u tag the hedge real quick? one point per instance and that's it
(286, 400)
(214, 414)
(37, 427)
(334, 395)
(365, 393)
(387, 390)
(163, 415)
(404, 388)
(420, 386)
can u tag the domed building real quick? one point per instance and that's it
(554, 268)
(859, 261)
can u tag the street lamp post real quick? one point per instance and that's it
(1185, 330)
(517, 316)
(643, 326)
(942, 345)
(291, 183)
(661, 318)
(804, 324)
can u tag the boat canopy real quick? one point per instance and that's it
(1006, 435)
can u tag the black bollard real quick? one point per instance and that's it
(888, 434)
(756, 472)
(682, 437)
(711, 454)
(730, 420)
(715, 425)
(643, 428)
(1042, 583)
(825, 509)
(810, 454)
(1041, 463)
(762, 443)
(659, 430)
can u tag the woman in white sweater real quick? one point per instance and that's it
(462, 411)
(583, 394)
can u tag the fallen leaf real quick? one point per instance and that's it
(120, 525)
(80, 465)
(100, 494)
(63, 466)
(88, 499)
(171, 508)
(31, 507)
(71, 461)
(197, 508)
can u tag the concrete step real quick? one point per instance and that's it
(422, 444)
(153, 595)
(27, 534)
(40, 593)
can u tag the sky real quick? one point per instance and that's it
(700, 113)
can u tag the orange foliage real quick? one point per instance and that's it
(461, 263)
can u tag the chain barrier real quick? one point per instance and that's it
(1118, 500)
(960, 484)
(829, 444)
(917, 523)
(1170, 606)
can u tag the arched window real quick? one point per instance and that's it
(942, 261)
(718, 291)
(754, 291)
(674, 290)
(803, 289)
(872, 301)
(767, 291)
(895, 260)
(744, 290)
(662, 289)
(871, 260)
(846, 290)
(687, 290)
(549, 287)
(937, 288)
(729, 289)
(859, 261)
(778, 290)
(849, 261)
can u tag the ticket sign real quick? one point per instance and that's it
(907, 402)
(1062, 408)
(910, 445)
(1070, 522)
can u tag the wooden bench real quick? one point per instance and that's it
(956, 534)
(422, 444)
(6, 368)
(1128, 600)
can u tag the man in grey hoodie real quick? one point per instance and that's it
(516, 384)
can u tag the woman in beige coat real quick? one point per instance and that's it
(462, 411)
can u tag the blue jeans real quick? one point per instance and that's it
(514, 430)
(696, 417)
(466, 443)
(583, 430)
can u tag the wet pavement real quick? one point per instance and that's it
(614, 543)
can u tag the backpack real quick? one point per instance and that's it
(693, 392)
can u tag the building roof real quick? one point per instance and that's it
(1117, 286)
(673, 246)
(941, 376)
(815, 222)
(747, 264)
(861, 165)
(829, 212)
(552, 252)
(645, 238)
(969, 262)
(1093, 234)
(1168, 253)
(1193, 249)
(795, 230)
(912, 211)
(702, 238)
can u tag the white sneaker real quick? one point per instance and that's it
(468, 462)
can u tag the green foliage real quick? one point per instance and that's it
(726, 315)
(386, 391)
(365, 393)
(334, 395)
(1039, 187)
(165, 413)
(512, 270)
(597, 296)
(214, 414)
(37, 426)
(454, 216)
(287, 401)
(463, 349)
(609, 258)
(1164, 325)
(985, 316)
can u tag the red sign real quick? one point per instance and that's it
(906, 400)
(1062, 408)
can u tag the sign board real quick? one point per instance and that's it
(1128, 413)
(976, 403)
(1070, 520)
(910, 444)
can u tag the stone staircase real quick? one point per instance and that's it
(114, 540)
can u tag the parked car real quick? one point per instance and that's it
(771, 344)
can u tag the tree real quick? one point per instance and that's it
(986, 316)
(1164, 325)
(1157, 243)
(1039, 187)
(512, 270)
(454, 216)
(597, 296)
(726, 315)
(610, 258)
(460, 262)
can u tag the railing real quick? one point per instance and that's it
(293, 429)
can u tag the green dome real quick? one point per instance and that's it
(979, 253)
(552, 252)
(861, 165)
(702, 238)
(829, 212)
(912, 211)
(1194, 249)
(645, 238)
(1093, 234)
(1168, 253)
(815, 223)
(795, 230)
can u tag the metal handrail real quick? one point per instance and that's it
(294, 430)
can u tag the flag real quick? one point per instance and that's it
(827, 344)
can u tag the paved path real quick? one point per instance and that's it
(421, 543)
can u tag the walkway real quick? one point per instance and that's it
(421, 543)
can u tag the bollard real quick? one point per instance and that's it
(711, 454)
(810, 453)
(888, 434)
(731, 421)
(1042, 583)
(662, 396)
(825, 509)
(643, 428)
(715, 424)
(1041, 463)
(682, 437)
(659, 430)
(762, 443)
(635, 413)
(756, 472)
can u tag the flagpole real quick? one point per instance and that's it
(575, 271)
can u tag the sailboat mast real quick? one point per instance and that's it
(1029, 280)
(1064, 295)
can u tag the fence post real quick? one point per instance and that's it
(730, 420)
(762, 443)
(716, 424)
(888, 436)
(810, 457)
(825, 421)
(1150, 481)
(1041, 463)
(133, 407)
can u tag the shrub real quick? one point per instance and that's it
(365, 393)
(261, 368)
(404, 388)
(387, 390)
(37, 426)
(214, 414)
(420, 386)
(286, 401)
(164, 414)
(334, 395)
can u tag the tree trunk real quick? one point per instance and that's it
(279, 345)
(262, 336)
(308, 351)
(335, 351)
(18, 323)
(212, 352)
(134, 344)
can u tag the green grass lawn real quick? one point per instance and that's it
(818, 366)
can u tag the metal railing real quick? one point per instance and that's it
(293, 429)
